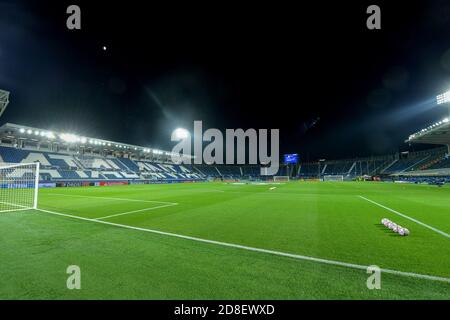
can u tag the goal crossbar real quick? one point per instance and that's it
(280, 178)
(333, 178)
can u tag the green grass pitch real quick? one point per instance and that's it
(322, 220)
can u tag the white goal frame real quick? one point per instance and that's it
(282, 178)
(335, 177)
(19, 186)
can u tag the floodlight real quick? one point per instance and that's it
(36, 133)
(22, 130)
(181, 133)
(68, 137)
(83, 140)
(29, 131)
(443, 98)
(50, 135)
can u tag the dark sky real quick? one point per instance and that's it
(334, 88)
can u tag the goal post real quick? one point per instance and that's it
(333, 178)
(19, 185)
(280, 178)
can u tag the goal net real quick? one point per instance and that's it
(280, 178)
(333, 178)
(19, 186)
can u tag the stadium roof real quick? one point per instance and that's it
(26, 133)
(438, 133)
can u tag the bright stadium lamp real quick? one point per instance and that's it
(180, 134)
(22, 130)
(443, 98)
(68, 137)
(50, 135)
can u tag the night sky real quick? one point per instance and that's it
(334, 88)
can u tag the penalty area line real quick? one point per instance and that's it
(109, 198)
(136, 211)
(272, 252)
(406, 217)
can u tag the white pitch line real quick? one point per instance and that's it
(277, 253)
(17, 205)
(407, 217)
(135, 211)
(15, 210)
(109, 198)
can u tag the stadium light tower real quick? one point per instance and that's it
(443, 98)
(181, 133)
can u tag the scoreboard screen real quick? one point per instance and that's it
(291, 158)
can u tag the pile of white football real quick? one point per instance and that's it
(395, 227)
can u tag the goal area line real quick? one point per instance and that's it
(19, 207)
(16, 210)
(254, 249)
(162, 204)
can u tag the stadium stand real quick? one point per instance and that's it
(309, 170)
(208, 170)
(56, 167)
(111, 161)
(416, 161)
(230, 172)
(337, 168)
(71, 167)
(130, 165)
(403, 165)
(348, 168)
(251, 171)
(442, 163)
